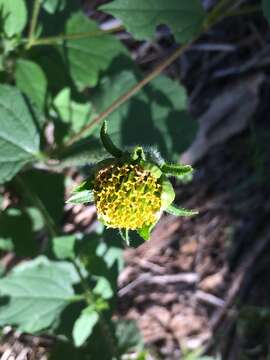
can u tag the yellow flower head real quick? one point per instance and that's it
(132, 189)
(127, 196)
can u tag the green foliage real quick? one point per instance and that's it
(59, 74)
(19, 133)
(14, 14)
(89, 55)
(51, 6)
(73, 113)
(31, 80)
(84, 325)
(63, 247)
(159, 109)
(35, 293)
(141, 17)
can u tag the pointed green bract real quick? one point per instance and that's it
(145, 232)
(138, 153)
(81, 197)
(176, 170)
(168, 194)
(107, 142)
(180, 211)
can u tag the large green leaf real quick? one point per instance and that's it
(31, 80)
(15, 14)
(87, 56)
(34, 294)
(156, 116)
(84, 325)
(141, 17)
(19, 135)
(266, 9)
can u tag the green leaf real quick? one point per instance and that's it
(16, 232)
(31, 80)
(145, 232)
(266, 9)
(82, 197)
(156, 116)
(73, 113)
(128, 336)
(180, 211)
(52, 6)
(103, 288)
(63, 247)
(140, 17)
(37, 292)
(19, 136)
(84, 325)
(15, 14)
(87, 56)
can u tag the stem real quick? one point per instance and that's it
(244, 11)
(50, 224)
(56, 40)
(102, 322)
(33, 23)
(134, 90)
(218, 11)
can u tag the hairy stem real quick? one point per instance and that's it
(33, 23)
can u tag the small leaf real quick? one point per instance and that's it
(185, 18)
(63, 247)
(51, 6)
(266, 9)
(103, 288)
(180, 211)
(145, 232)
(107, 142)
(73, 113)
(84, 325)
(37, 293)
(19, 134)
(15, 14)
(81, 197)
(176, 169)
(31, 80)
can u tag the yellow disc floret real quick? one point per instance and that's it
(127, 196)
